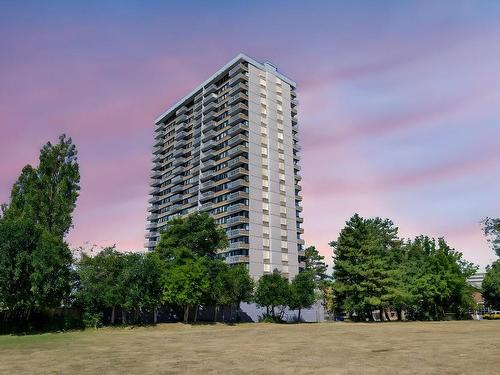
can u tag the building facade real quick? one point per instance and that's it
(230, 148)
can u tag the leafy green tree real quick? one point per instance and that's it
(100, 281)
(185, 284)
(140, 283)
(314, 262)
(302, 291)
(363, 278)
(219, 292)
(47, 194)
(272, 291)
(194, 235)
(491, 228)
(436, 279)
(491, 285)
(241, 285)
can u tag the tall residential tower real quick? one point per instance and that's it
(230, 148)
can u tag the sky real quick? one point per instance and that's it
(399, 104)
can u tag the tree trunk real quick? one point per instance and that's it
(387, 317)
(381, 314)
(113, 315)
(370, 315)
(155, 315)
(299, 313)
(216, 308)
(196, 313)
(238, 311)
(399, 312)
(186, 314)
(124, 316)
(223, 313)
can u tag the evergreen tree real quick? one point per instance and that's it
(491, 228)
(314, 262)
(363, 278)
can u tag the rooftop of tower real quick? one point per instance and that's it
(240, 57)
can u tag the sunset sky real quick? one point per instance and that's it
(399, 104)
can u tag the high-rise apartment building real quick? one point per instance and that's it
(230, 148)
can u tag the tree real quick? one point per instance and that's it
(242, 286)
(363, 278)
(272, 291)
(185, 284)
(435, 277)
(491, 285)
(100, 281)
(47, 195)
(491, 227)
(302, 291)
(314, 262)
(34, 267)
(195, 234)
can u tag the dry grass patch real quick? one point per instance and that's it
(330, 348)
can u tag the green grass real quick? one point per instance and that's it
(330, 348)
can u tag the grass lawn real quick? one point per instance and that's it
(470, 347)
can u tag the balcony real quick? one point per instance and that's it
(207, 195)
(238, 128)
(206, 156)
(237, 98)
(154, 190)
(298, 177)
(237, 140)
(293, 111)
(240, 117)
(179, 161)
(237, 259)
(208, 145)
(206, 175)
(240, 67)
(238, 245)
(209, 135)
(237, 220)
(237, 89)
(240, 107)
(211, 98)
(238, 172)
(210, 89)
(237, 161)
(178, 152)
(177, 188)
(151, 225)
(209, 125)
(209, 116)
(176, 179)
(180, 143)
(298, 208)
(294, 102)
(237, 233)
(300, 230)
(208, 164)
(297, 188)
(236, 207)
(300, 241)
(209, 107)
(298, 198)
(177, 170)
(155, 174)
(206, 206)
(237, 150)
(296, 167)
(175, 198)
(181, 118)
(237, 195)
(237, 184)
(239, 78)
(207, 185)
(297, 147)
(181, 110)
